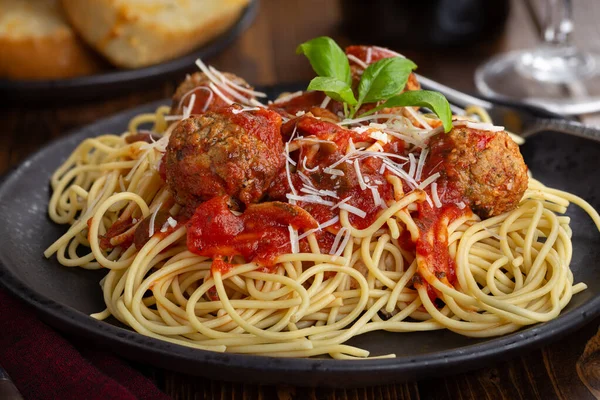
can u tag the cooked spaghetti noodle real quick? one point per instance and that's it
(511, 270)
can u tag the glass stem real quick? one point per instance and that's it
(558, 23)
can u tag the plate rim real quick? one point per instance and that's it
(395, 370)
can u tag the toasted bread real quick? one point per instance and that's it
(138, 33)
(36, 42)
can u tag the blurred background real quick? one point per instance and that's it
(448, 39)
(64, 64)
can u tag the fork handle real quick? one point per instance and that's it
(569, 127)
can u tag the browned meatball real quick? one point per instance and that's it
(197, 83)
(227, 151)
(483, 168)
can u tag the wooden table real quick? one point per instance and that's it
(265, 55)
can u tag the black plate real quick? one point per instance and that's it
(122, 80)
(65, 296)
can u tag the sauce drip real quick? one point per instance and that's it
(433, 257)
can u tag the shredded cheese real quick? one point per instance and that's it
(187, 111)
(344, 243)
(376, 196)
(288, 97)
(333, 171)
(170, 223)
(325, 102)
(315, 168)
(214, 88)
(287, 171)
(429, 180)
(418, 117)
(310, 199)
(231, 83)
(353, 210)
(401, 173)
(435, 195)
(206, 104)
(294, 241)
(390, 117)
(322, 226)
(413, 165)
(359, 176)
(235, 111)
(153, 220)
(421, 164)
(339, 203)
(378, 135)
(484, 126)
(358, 61)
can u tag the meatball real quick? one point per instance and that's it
(228, 151)
(482, 168)
(197, 83)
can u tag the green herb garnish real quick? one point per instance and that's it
(383, 81)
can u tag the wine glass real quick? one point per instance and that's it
(556, 75)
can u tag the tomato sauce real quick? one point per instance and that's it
(262, 123)
(116, 229)
(259, 234)
(432, 244)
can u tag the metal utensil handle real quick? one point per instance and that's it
(454, 96)
(569, 127)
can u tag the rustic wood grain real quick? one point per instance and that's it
(566, 369)
(588, 365)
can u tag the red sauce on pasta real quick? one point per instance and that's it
(259, 234)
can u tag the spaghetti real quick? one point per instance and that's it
(346, 276)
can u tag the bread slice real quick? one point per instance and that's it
(36, 42)
(138, 33)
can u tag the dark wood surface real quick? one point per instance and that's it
(264, 55)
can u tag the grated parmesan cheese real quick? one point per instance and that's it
(429, 180)
(310, 199)
(421, 164)
(325, 102)
(359, 176)
(339, 203)
(358, 61)
(353, 210)
(288, 97)
(153, 220)
(294, 241)
(235, 111)
(435, 195)
(226, 99)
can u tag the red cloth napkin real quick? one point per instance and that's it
(44, 365)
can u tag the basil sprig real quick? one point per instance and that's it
(331, 64)
(382, 81)
(435, 101)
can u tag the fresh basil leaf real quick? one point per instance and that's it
(327, 58)
(334, 88)
(384, 79)
(435, 101)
